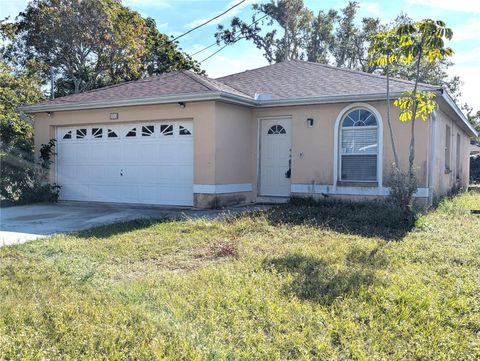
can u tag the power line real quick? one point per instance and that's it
(223, 47)
(205, 48)
(208, 21)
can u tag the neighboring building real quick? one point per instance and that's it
(293, 128)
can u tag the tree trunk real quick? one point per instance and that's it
(76, 83)
(411, 157)
(392, 138)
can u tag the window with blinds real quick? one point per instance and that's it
(359, 146)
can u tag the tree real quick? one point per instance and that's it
(291, 16)
(321, 40)
(162, 54)
(384, 52)
(16, 133)
(420, 41)
(90, 43)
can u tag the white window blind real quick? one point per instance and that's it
(359, 141)
(359, 147)
(359, 167)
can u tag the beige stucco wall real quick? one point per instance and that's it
(226, 142)
(444, 181)
(202, 114)
(233, 144)
(317, 143)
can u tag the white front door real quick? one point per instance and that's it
(275, 157)
(148, 162)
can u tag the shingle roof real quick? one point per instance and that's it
(285, 80)
(299, 79)
(179, 82)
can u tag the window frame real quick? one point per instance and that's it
(448, 149)
(338, 136)
(458, 158)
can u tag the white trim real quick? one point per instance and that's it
(351, 191)
(174, 98)
(259, 145)
(259, 129)
(221, 96)
(459, 113)
(326, 99)
(222, 188)
(336, 144)
(433, 156)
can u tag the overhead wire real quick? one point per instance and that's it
(208, 21)
(227, 44)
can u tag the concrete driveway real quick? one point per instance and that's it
(24, 223)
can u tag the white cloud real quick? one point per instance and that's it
(222, 18)
(470, 29)
(471, 78)
(371, 8)
(467, 6)
(467, 57)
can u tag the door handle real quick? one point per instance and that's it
(288, 173)
(121, 172)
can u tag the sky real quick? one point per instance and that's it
(173, 17)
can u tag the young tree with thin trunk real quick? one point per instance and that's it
(410, 43)
(384, 52)
(419, 41)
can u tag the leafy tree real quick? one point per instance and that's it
(90, 43)
(332, 37)
(411, 43)
(321, 40)
(16, 133)
(291, 16)
(384, 52)
(162, 54)
(421, 41)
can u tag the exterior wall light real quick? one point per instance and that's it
(181, 104)
(310, 122)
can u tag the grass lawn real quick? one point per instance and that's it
(304, 281)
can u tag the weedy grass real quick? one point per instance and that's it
(309, 281)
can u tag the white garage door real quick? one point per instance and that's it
(149, 163)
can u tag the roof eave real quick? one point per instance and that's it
(468, 127)
(174, 98)
(240, 100)
(326, 99)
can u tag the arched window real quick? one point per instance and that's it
(359, 146)
(276, 129)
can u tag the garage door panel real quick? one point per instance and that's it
(67, 174)
(157, 169)
(75, 192)
(106, 193)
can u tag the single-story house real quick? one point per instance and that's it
(292, 128)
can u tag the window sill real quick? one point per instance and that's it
(356, 184)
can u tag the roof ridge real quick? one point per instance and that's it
(198, 79)
(359, 72)
(210, 83)
(251, 70)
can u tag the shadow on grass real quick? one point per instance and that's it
(368, 219)
(316, 280)
(120, 227)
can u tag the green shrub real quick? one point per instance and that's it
(23, 180)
